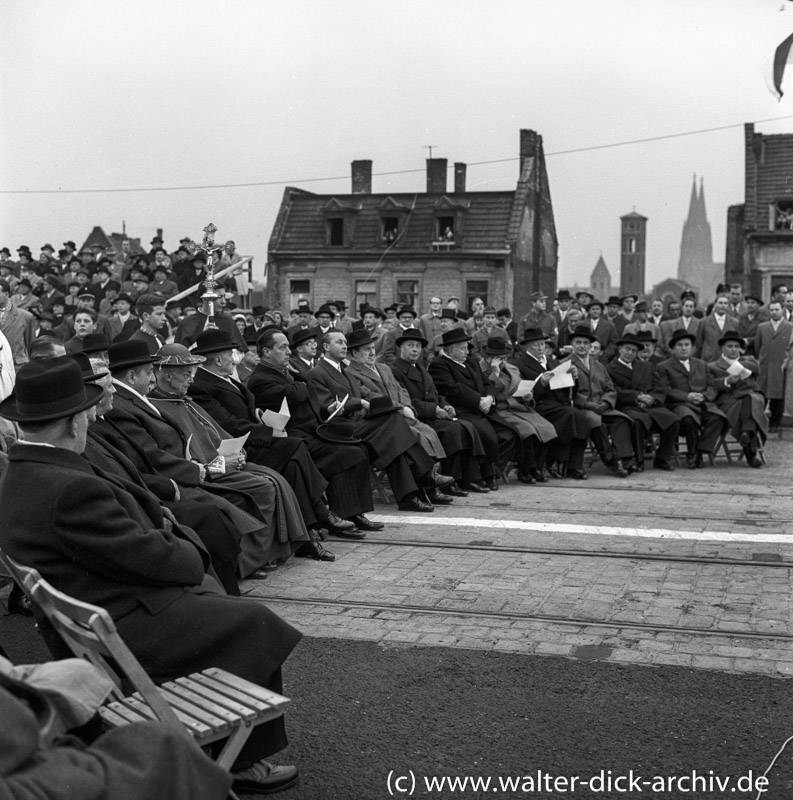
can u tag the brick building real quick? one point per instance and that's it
(760, 230)
(406, 247)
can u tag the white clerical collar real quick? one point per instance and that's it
(446, 355)
(333, 364)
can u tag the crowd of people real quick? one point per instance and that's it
(157, 453)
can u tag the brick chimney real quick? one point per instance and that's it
(436, 175)
(361, 177)
(459, 177)
(530, 145)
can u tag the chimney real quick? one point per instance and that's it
(159, 232)
(459, 177)
(436, 175)
(361, 177)
(530, 145)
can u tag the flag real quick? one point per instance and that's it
(781, 59)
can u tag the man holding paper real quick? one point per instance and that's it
(739, 396)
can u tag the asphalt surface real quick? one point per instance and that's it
(361, 710)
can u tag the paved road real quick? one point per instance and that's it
(690, 568)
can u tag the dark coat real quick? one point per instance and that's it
(676, 383)
(771, 349)
(630, 383)
(730, 395)
(708, 335)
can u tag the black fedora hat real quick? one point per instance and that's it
(564, 294)
(323, 309)
(645, 337)
(411, 335)
(300, 337)
(213, 340)
(631, 339)
(380, 405)
(131, 353)
(583, 332)
(758, 300)
(533, 335)
(48, 389)
(496, 347)
(95, 343)
(338, 431)
(407, 310)
(680, 333)
(731, 336)
(358, 338)
(614, 301)
(453, 336)
(449, 313)
(596, 303)
(89, 376)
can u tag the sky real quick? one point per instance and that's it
(175, 94)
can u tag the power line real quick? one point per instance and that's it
(250, 184)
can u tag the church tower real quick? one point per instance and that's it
(600, 280)
(695, 266)
(633, 246)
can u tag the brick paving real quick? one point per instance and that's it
(390, 590)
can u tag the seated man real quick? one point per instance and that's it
(459, 437)
(571, 424)
(135, 762)
(640, 399)
(689, 391)
(303, 345)
(404, 461)
(595, 394)
(231, 404)
(115, 549)
(459, 379)
(739, 396)
(344, 466)
(534, 430)
(377, 380)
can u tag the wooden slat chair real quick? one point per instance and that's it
(211, 706)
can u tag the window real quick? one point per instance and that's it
(782, 215)
(445, 229)
(407, 293)
(631, 245)
(389, 229)
(365, 293)
(336, 231)
(474, 289)
(299, 290)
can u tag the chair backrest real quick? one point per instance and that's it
(90, 633)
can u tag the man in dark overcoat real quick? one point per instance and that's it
(101, 540)
(641, 400)
(689, 391)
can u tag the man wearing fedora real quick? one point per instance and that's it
(538, 317)
(648, 352)
(641, 321)
(534, 430)
(689, 391)
(232, 405)
(566, 452)
(448, 320)
(275, 499)
(563, 302)
(325, 316)
(406, 319)
(603, 330)
(626, 313)
(339, 455)
(611, 432)
(459, 438)
(111, 545)
(377, 380)
(639, 397)
(459, 379)
(377, 422)
(749, 320)
(739, 396)
(303, 344)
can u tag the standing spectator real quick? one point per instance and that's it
(771, 347)
(563, 302)
(17, 325)
(505, 321)
(603, 330)
(713, 328)
(538, 317)
(430, 323)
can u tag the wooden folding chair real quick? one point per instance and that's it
(211, 706)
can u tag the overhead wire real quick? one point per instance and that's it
(251, 184)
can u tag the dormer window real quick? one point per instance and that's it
(445, 229)
(336, 231)
(781, 215)
(393, 218)
(389, 229)
(449, 219)
(339, 222)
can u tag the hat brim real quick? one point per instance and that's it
(380, 411)
(421, 339)
(725, 339)
(582, 335)
(632, 343)
(329, 437)
(9, 410)
(217, 348)
(488, 352)
(134, 362)
(675, 339)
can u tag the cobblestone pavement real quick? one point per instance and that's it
(610, 569)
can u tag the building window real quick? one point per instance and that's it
(631, 245)
(445, 231)
(365, 293)
(407, 293)
(783, 215)
(299, 290)
(389, 229)
(474, 289)
(336, 231)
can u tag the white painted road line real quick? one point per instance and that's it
(592, 530)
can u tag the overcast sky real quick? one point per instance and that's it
(121, 95)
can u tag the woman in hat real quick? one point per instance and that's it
(534, 431)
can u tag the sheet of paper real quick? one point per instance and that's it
(736, 368)
(562, 381)
(524, 388)
(230, 447)
(187, 455)
(277, 420)
(339, 407)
